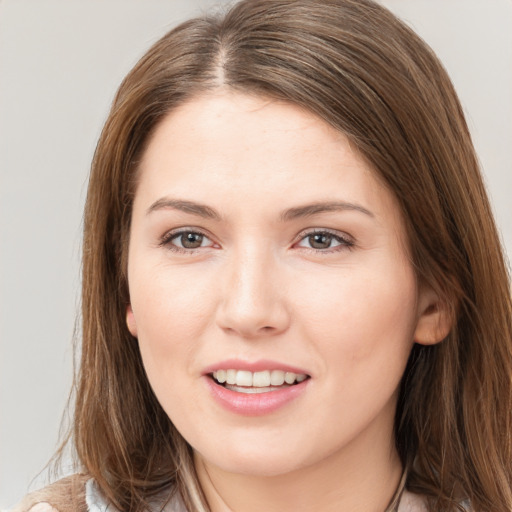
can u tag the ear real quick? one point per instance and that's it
(130, 321)
(434, 318)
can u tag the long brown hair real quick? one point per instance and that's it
(356, 66)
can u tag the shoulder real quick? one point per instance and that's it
(168, 501)
(411, 502)
(80, 493)
(65, 495)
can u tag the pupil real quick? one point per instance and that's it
(191, 240)
(320, 241)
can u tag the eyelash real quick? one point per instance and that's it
(345, 242)
(166, 240)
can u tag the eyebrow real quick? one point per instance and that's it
(198, 209)
(309, 210)
(296, 212)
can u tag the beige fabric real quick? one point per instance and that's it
(66, 495)
(43, 507)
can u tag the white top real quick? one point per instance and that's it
(97, 503)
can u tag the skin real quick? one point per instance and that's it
(346, 311)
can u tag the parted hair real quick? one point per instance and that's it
(356, 66)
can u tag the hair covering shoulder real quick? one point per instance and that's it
(65, 495)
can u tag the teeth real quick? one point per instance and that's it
(243, 378)
(277, 378)
(230, 376)
(261, 379)
(289, 377)
(253, 390)
(264, 379)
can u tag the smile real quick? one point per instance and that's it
(255, 400)
(243, 381)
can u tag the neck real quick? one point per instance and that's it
(351, 479)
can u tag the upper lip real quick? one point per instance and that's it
(252, 366)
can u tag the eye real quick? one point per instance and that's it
(325, 241)
(185, 240)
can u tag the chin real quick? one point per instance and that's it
(258, 466)
(257, 460)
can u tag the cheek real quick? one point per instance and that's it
(360, 316)
(360, 327)
(171, 310)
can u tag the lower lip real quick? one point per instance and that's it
(255, 404)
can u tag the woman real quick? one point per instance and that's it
(294, 295)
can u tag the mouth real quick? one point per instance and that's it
(244, 381)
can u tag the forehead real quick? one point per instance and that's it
(230, 149)
(219, 120)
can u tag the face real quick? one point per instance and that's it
(270, 287)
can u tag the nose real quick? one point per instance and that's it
(253, 302)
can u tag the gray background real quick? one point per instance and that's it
(60, 64)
